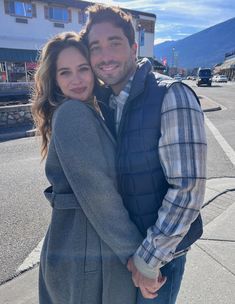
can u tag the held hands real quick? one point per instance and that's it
(148, 287)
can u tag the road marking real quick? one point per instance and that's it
(32, 259)
(222, 142)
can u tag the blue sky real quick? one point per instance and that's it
(179, 19)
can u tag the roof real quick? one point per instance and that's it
(85, 4)
(228, 64)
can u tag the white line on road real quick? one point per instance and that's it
(222, 142)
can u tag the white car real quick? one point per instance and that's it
(177, 78)
(221, 78)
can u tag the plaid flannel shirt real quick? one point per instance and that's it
(182, 151)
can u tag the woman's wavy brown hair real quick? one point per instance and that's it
(47, 96)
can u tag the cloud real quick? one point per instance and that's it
(187, 17)
(161, 40)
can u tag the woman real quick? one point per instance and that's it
(90, 237)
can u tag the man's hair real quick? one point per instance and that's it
(99, 13)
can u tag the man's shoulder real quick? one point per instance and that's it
(162, 79)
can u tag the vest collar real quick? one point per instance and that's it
(144, 67)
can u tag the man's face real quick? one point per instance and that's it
(112, 58)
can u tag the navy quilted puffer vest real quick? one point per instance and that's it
(140, 176)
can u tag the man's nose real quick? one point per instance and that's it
(106, 54)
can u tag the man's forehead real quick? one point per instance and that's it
(104, 30)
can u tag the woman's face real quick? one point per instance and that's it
(74, 75)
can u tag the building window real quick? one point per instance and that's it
(147, 25)
(20, 8)
(82, 16)
(60, 14)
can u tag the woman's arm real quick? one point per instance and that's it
(87, 158)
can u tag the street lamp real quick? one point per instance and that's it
(173, 57)
(139, 38)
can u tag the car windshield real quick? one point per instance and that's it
(205, 72)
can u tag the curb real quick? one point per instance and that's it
(17, 135)
(208, 105)
(213, 109)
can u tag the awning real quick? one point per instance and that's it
(17, 55)
(228, 64)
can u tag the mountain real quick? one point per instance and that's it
(205, 48)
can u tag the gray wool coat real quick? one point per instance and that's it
(90, 237)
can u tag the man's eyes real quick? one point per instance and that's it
(112, 44)
(115, 43)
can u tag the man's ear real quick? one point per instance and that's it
(134, 49)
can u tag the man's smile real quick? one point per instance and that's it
(108, 67)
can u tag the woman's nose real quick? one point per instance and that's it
(77, 77)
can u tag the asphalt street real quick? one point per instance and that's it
(209, 276)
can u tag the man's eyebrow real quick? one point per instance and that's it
(111, 38)
(115, 38)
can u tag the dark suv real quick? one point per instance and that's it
(204, 77)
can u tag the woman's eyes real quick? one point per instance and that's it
(80, 70)
(84, 69)
(94, 49)
(64, 73)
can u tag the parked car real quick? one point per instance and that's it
(178, 78)
(221, 78)
(214, 78)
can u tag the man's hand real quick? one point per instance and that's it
(148, 287)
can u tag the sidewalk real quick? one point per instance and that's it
(210, 271)
(26, 131)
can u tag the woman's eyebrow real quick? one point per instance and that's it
(67, 68)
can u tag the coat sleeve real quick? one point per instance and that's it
(79, 142)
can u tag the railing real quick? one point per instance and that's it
(15, 88)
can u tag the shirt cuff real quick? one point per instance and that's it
(144, 268)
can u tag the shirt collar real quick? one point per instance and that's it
(123, 95)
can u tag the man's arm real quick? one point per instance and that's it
(182, 151)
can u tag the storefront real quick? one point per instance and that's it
(17, 65)
(227, 67)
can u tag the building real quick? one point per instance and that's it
(27, 24)
(228, 66)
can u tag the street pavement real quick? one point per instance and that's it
(210, 270)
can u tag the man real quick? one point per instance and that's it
(161, 154)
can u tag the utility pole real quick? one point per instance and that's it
(139, 38)
(173, 57)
